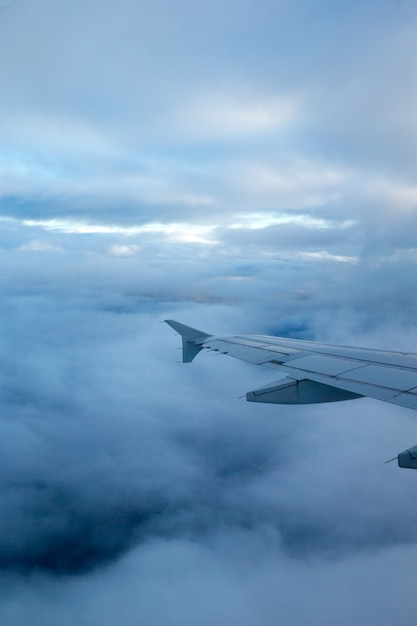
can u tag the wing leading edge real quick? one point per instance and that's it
(316, 372)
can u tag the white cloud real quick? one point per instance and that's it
(323, 255)
(124, 250)
(60, 134)
(174, 231)
(37, 245)
(290, 182)
(255, 221)
(391, 193)
(218, 116)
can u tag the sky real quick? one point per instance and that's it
(242, 167)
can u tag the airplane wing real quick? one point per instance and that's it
(316, 372)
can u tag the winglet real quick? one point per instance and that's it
(191, 339)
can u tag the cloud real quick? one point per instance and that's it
(123, 470)
(242, 167)
(219, 117)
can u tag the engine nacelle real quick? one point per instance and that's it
(408, 458)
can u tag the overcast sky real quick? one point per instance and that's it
(241, 166)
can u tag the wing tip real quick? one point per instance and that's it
(191, 339)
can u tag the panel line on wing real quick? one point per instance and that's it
(366, 356)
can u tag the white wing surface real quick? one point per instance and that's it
(316, 372)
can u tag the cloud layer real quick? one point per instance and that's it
(241, 167)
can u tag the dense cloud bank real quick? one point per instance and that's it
(126, 475)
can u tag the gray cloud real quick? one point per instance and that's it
(136, 107)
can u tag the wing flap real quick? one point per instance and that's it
(290, 391)
(362, 389)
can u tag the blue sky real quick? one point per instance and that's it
(242, 167)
